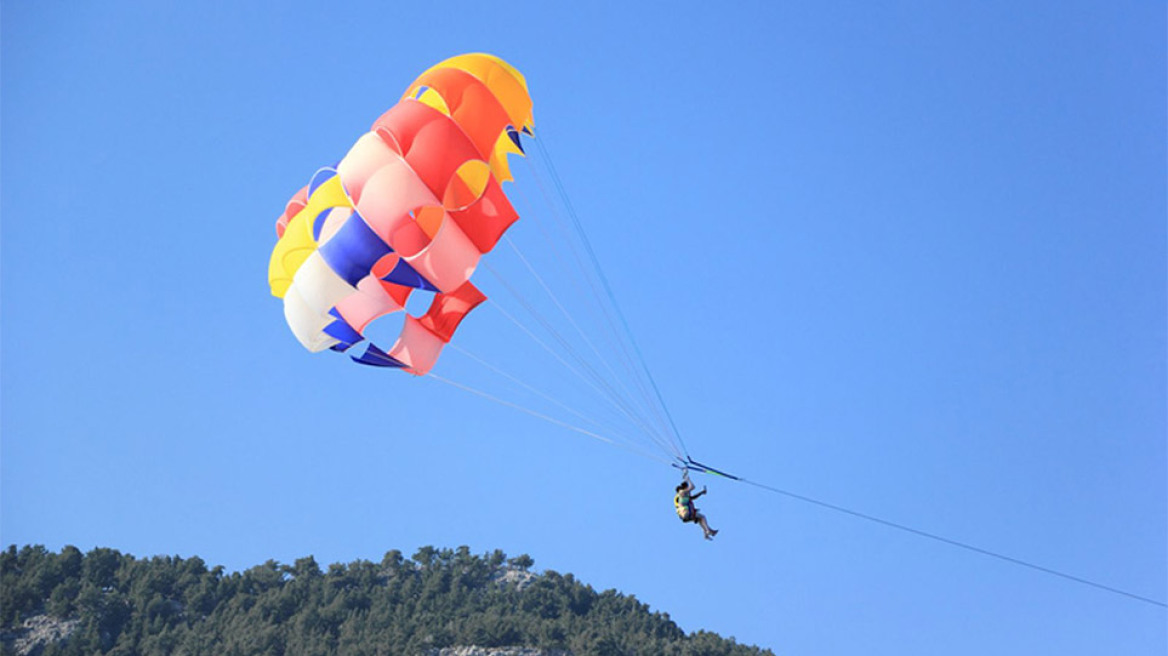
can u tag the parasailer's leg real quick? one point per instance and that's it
(709, 532)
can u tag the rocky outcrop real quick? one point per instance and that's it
(515, 577)
(36, 633)
(496, 651)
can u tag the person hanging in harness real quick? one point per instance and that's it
(683, 504)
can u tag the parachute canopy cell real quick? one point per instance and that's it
(412, 207)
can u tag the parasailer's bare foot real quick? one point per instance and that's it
(711, 534)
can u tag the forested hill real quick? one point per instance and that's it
(106, 602)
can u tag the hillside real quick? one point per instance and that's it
(437, 603)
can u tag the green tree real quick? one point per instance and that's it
(522, 562)
(170, 606)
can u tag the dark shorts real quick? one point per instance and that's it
(688, 514)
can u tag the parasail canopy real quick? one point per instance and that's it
(414, 205)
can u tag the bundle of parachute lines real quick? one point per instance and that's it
(413, 205)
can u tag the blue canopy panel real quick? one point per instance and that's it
(318, 222)
(355, 248)
(404, 274)
(340, 330)
(375, 357)
(353, 251)
(515, 138)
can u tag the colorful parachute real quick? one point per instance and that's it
(413, 205)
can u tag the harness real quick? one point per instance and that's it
(684, 506)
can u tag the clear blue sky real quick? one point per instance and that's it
(906, 257)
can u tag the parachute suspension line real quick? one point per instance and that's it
(613, 334)
(549, 419)
(614, 397)
(516, 406)
(606, 395)
(535, 274)
(608, 288)
(698, 467)
(616, 333)
(603, 395)
(537, 392)
(599, 381)
(578, 273)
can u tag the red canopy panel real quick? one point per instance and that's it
(448, 310)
